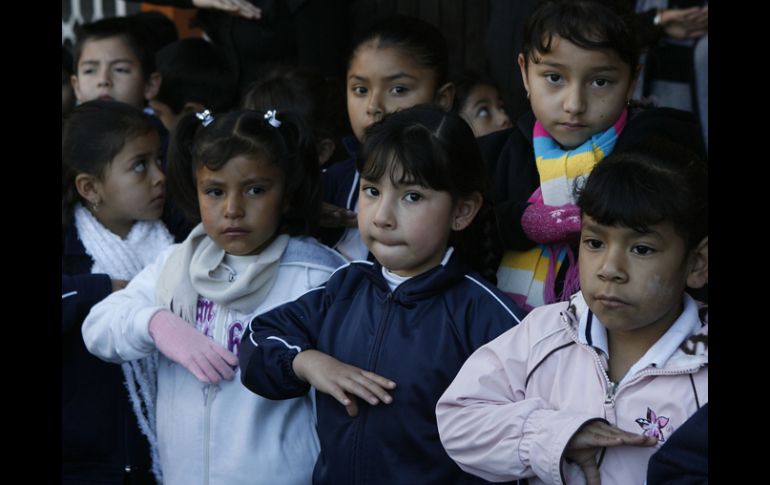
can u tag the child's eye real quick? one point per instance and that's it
(483, 112)
(139, 167)
(553, 78)
(399, 90)
(412, 197)
(359, 90)
(592, 243)
(642, 250)
(214, 192)
(123, 70)
(370, 191)
(600, 83)
(255, 190)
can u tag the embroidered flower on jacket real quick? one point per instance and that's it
(653, 425)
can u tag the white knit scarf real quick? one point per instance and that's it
(122, 259)
(190, 268)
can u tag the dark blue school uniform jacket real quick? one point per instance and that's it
(101, 439)
(418, 335)
(340, 187)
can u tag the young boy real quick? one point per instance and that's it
(586, 390)
(114, 61)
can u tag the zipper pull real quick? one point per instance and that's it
(611, 388)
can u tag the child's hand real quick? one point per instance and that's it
(592, 437)
(340, 381)
(241, 8)
(118, 285)
(208, 361)
(333, 216)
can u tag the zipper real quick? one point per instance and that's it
(371, 364)
(209, 390)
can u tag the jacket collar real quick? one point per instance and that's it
(420, 287)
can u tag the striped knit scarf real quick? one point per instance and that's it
(529, 277)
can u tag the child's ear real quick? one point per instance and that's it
(445, 96)
(325, 149)
(465, 210)
(698, 270)
(523, 67)
(76, 87)
(152, 85)
(88, 187)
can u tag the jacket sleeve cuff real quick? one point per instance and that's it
(545, 437)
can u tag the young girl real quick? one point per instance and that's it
(579, 65)
(478, 102)
(604, 379)
(112, 199)
(400, 62)
(320, 101)
(392, 332)
(253, 179)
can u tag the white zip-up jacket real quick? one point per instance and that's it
(218, 434)
(517, 401)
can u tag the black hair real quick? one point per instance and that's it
(641, 186)
(159, 30)
(590, 24)
(130, 30)
(194, 70)
(320, 101)
(437, 149)
(66, 61)
(414, 37)
(291, 147)
(93, 135)
(465, 84)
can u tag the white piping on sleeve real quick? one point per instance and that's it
(352, 190)
(293, 347)
(67, 295)
(495, 297)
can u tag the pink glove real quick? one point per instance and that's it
(548, 224)
(208, 361)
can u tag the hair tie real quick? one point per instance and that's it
(205, 117)
(270, 118)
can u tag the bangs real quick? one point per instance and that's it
(408, 157)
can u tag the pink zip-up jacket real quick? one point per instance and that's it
(518, 400)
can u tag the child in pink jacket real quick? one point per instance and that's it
(585, 391)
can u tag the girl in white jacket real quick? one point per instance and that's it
(253, 181)
(585, 391)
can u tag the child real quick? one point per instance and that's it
(395, 331)
(253, 180)
(605, 378)
(304, 91)
(579, 65)
(112, 198)
(113, 61)
(478, 101)
(195, 75)
(400, 62)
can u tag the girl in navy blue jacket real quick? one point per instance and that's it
(382, 340)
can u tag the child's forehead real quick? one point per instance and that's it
(565, 53)
(112, 47)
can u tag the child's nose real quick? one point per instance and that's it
(612, 267)
(233, 206)
(104, 77)
(574, 101)
(374, 108)
(383, 215)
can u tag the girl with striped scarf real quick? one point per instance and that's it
(579, 64)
